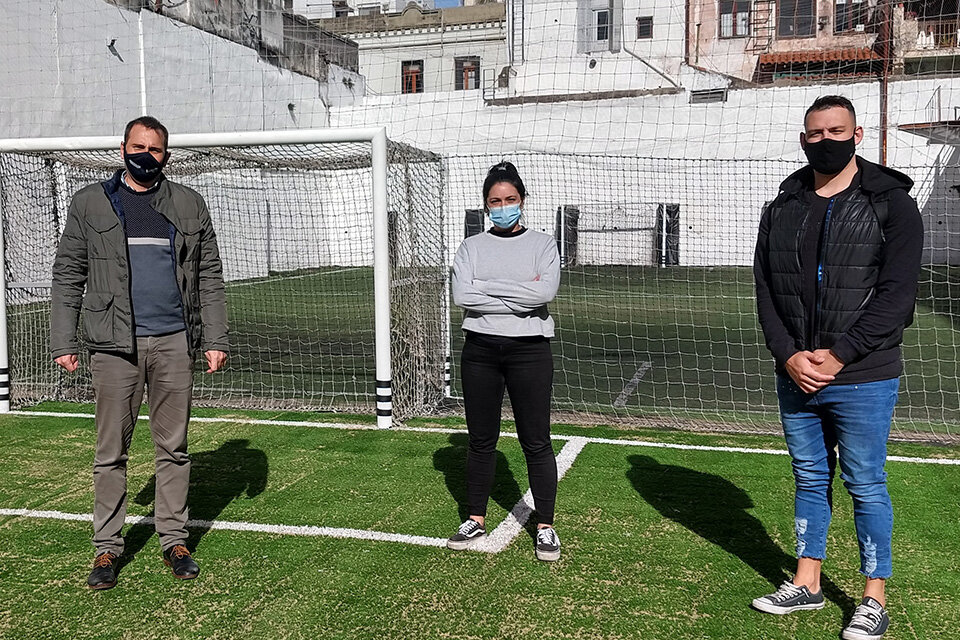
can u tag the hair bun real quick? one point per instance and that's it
(504, 167)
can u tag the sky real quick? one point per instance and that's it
(443, 4)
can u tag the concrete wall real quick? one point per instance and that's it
(721, 162)
(74, 69)
(552, 64)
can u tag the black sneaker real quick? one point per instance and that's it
(104, 574)
(870, 622)
(179, 559)
(789, 598)
(548, 544)
(468, 533)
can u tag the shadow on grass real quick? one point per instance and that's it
(217, 478)
(716, 510)
(452, 463)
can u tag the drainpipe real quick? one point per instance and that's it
(886, 39)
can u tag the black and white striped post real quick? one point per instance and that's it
(381, 278)
(4, 354)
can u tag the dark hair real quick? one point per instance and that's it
(503, 172)
(828, 102)
(150, 123)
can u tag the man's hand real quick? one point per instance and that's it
(805, 369)
(831, 363)
(68, 362)
(215, 360)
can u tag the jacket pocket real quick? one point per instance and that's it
(191, 243)
(98, 312)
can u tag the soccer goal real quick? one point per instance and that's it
(333, 256)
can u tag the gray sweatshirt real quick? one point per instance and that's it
(505, 282)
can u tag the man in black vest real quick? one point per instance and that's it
(836, 266)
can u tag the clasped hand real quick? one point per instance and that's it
(813, 370)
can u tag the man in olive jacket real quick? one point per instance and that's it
(139, 257)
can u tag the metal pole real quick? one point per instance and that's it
(143, 67)
(381, 280)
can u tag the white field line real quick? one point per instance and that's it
(269, 279)
(277, 529)
(512, 525)
(506, 434)
(628, 388)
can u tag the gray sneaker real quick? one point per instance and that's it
(468, 534)
(548, 544)
(789, 598)
(870, 622)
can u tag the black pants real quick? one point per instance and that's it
(525, 367)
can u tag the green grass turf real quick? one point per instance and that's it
(658, 543)
(307, 337)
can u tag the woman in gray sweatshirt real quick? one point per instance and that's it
(504, 279)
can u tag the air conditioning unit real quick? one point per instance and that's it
(860, 27)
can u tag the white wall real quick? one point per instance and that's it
(721, 162)
(552, 64)
(58, 76)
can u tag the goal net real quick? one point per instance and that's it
(650, 134)
(295, 227)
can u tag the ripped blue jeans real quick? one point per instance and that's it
(854, 420)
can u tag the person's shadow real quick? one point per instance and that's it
(452, 463)
(716, 510)
(217, 478)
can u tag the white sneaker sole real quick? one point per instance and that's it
(460, 545)
(768, 607)
(548, 556)
(856, 635)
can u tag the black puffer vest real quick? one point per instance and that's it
(848, 270)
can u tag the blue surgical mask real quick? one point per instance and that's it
(505, 217)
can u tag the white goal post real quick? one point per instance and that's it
(377, 139)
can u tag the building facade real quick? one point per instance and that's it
(427, 51)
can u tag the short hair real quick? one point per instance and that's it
(829, 102)
(503, 172)
(150, 123)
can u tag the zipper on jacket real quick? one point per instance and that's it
(114, 198)
(825, 234)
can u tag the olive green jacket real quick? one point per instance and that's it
(93, 254)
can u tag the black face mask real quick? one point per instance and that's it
(143, 167)
(829, 157)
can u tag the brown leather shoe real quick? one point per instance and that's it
(104, 574)
(179, 559)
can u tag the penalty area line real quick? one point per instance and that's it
(506, 434)
(226, 525)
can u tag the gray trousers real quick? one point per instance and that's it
(164, 364)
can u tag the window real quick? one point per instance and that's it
(849, 15)
(341, 9)
(602, 20)
(372, 10)
(599, 25)
(411, 76)
(466, 73)
(796, 18)
(644, 27)
(734, 18)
